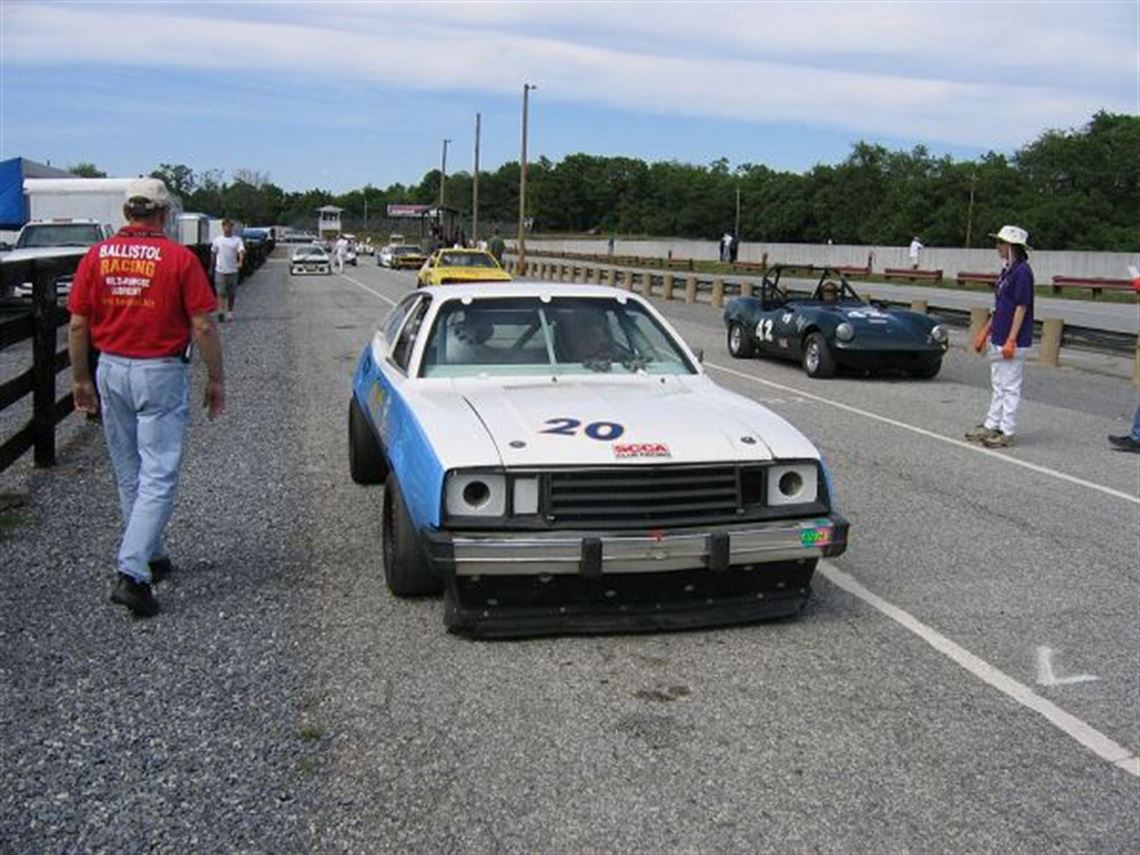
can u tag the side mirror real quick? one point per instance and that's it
(699, 353)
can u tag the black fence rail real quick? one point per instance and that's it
(38, 322)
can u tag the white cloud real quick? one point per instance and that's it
(988, 75)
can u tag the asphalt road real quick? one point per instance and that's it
(964, 679)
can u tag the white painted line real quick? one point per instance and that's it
(374, 293)
(1046, 676)
(976, 449)
(1072, 726)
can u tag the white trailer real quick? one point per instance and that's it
(98, 199)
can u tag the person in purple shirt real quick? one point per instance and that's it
(1004, 338)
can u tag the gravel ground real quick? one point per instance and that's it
(284, 702)
(187, 732)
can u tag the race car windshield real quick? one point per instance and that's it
(466, 259)
(568, 335)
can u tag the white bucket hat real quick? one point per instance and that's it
(1013, 234)
(147, 193)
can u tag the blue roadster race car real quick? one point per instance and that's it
(833, 328)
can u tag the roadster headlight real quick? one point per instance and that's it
(476, 494)
(793, 484)
(939, 334)
(845, 332)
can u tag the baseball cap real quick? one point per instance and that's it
(1012, 234)
(147, 193)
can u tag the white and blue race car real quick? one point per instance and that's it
(555, 460)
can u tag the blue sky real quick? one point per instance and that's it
(336, 95)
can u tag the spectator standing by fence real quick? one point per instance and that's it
(915, 251)
(496, 246)
(227, 254)
(1005, 336)
(141, 298)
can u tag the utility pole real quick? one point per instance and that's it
(970, 209)
(522, 185)
(365, 229)
(443, 173)
(736, 228)
(475, 186)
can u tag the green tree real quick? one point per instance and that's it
(87, 170)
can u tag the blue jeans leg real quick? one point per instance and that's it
(146, 408)
(1136, 425)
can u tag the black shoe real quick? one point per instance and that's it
(160, 569)
(136, 596)
(1125, 443)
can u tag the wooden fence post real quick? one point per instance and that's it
(745, 289)
(978, 317)
(1052, 329)
(647, 284)
(667, 286)
(718, 293)
(919, 306)
(691, 289)
(627, 279)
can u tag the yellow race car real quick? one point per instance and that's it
(447, 266)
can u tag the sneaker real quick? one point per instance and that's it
(1125, 443)
(160, 569)
(997, 440)
(136, 596)
(980, 433)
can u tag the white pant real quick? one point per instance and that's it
(338, 262)
(1005, 378)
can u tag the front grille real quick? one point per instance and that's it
(643, 497)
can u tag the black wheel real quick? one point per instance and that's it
(406, 570)
(739, 345)
(366, 463)
(928, 371)
(818, 361)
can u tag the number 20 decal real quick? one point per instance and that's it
(604, 431)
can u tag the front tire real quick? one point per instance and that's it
(406, 570)
(818, 361)
(739, 345)
(366, 463)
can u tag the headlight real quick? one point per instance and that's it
(793, 484)
(476, 494)
(939, 334)
(845, 332)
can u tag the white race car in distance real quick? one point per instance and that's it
(311, 258)
(555, 460)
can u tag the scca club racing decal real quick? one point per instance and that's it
(625, 450)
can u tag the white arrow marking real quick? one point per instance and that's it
(1045, 675)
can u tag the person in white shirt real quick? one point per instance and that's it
(227, 253)
(340, 251)
(916, 248)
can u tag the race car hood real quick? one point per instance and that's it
(634, 420)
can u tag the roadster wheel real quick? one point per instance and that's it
(818, 361)
(738, 344)
(406, 571)
(928, 371)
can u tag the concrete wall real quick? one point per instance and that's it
(1046, 264)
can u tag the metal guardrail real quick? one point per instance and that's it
(575, 267)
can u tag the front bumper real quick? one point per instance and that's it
(521, 584)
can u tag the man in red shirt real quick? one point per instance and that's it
(140, 299)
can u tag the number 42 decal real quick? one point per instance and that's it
(764, 330)
(604, 431)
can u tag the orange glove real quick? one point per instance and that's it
(981, 338)
(1008, 349)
